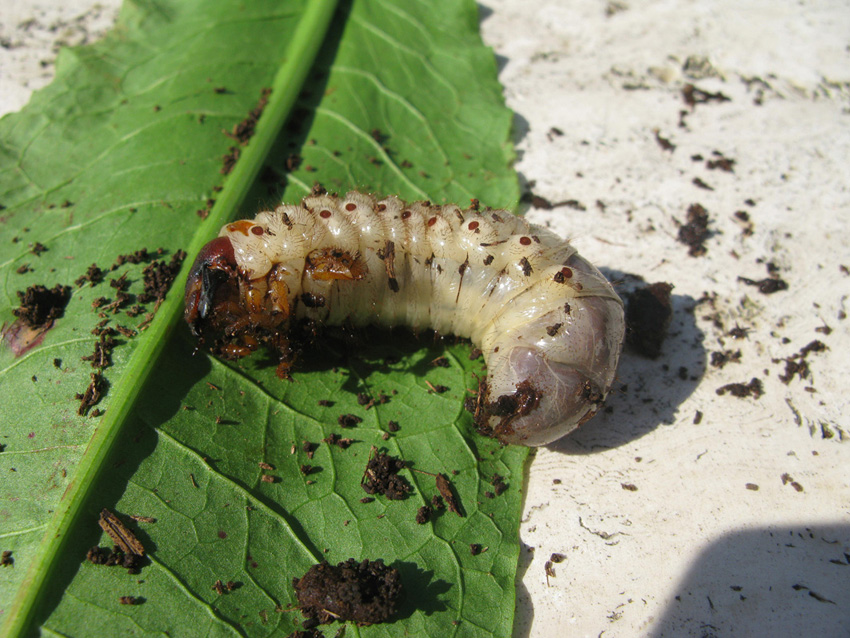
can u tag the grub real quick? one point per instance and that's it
(365, 593)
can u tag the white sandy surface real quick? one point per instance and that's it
(738, 525)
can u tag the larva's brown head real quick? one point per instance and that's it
(232, 314)
(211, 281)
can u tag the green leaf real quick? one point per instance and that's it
(117, 155)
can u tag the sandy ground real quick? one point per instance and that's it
(681, 511)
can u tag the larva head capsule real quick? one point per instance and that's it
(206, 285)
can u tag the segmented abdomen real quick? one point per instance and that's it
(548, 323)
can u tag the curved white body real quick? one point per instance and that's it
(536, 309)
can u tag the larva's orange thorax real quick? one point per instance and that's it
(549, 324)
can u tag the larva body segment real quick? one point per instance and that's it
(548, 323)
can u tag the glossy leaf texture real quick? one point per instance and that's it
(118, 155)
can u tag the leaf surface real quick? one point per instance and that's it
(117, 155)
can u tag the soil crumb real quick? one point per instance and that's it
(41, 306)
(365, 593)
(754, 389)
(694, 233)
(381, 477)
(648, 315)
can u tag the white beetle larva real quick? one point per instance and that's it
(548, 323)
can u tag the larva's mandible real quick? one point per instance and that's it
(548, 323)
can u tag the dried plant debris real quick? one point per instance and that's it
(6, 559)
(365, 593)
(120, 533)
(127, 552)
(93, 393)
(754, 389)
(447, 491)
(695, 231)
(381, 476)
(648, 314)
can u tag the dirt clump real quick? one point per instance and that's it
(365, 593)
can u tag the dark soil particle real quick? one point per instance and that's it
(131, 600)
(114, 558)
(742, 390)
(6, 559)
(244, 130)
(337, 440)
(158, 277)
(695, 231)
(648, 314)
(365, 593)
(693, 96)
(796, 365)
(499, 485)
(41, 306)
(381, 477)
(348, 420)
(720, 359)
(94, 275)
(766, 286)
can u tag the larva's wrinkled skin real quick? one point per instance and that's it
(548, 323)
